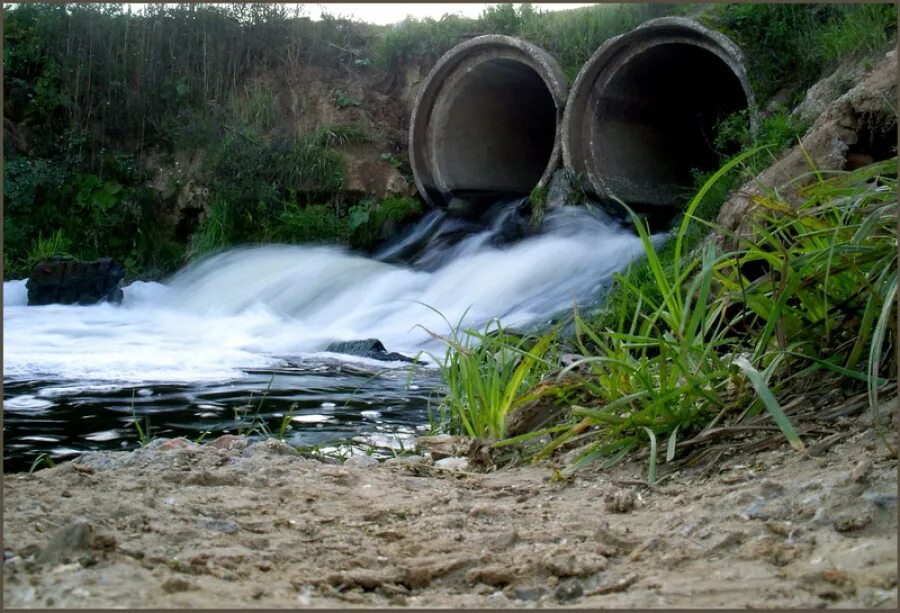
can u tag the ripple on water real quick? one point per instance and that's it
(312, 419)
(41, 438)
(26, 404)
(105, 435)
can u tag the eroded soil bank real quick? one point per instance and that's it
(261, 526)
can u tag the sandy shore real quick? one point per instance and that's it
(182, 525)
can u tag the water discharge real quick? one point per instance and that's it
(241, 321)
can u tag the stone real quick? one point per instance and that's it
(64, 280)
(362, 460)
(453, 463)
(73, 538)
(568, 590)
(371, 348)
(229, 441)
(620, 501)
(492, 574)
(173, 585)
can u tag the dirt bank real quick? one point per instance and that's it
(262, 526)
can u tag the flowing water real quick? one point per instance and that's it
(237, 340)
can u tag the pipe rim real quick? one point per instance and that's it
(607, 60)
(543, 64)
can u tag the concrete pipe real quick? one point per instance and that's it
(486, 123)
(642, 112)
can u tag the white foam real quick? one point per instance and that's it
(254, 307)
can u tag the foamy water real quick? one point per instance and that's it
(256, 307)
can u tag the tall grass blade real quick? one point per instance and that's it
(765, 394)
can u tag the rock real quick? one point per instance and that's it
(175, 443)
(68, 281)
(408, 459)
(861, 122)
(562, 562)
(852, 519)
(225, 526)
(228, 441)
(568, 590)
(620, 501)
(558, 189)
(527, 594)
(531, 416)
(443, 445)
(861, 472)
(361, 460)
(371, 348)
(453, 463)
(492, 574)
(75, 537)
(173, 585)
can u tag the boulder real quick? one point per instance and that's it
(68, 281)
(369, 348)
(855, 129)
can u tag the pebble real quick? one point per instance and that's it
(225, 526)
(851, 519)
(620, 501)
(228, 441)
(175, 443)
(527, 594)
(568, 590)
(492, 574)
(362, 460)
(453, 463)
(76, 536)
(173, 585)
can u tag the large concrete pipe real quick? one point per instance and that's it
(642, 112)
(486, 122)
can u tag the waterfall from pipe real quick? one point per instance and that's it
(258, 307)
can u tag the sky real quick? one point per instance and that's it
(387, 13)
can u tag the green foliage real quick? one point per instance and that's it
(145, 432)
(538, 201)
(315, 223)
(424, 39)
(794, 44)
(44, 459)
(214, 232)
(343, 101)
(777, 132)
(57, 245)
(367, 222)
(488, 374)
(710, 338)
(571, 36)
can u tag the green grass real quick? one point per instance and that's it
(721, 338)
(145, 432)
(488, 374)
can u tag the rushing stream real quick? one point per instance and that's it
(239, 337)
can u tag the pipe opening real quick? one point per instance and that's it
(654, 124)
(486, 124)
(642, 114)
(495, 132)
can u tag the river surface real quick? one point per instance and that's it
(235, 343)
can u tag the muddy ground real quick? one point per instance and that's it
(231, 525)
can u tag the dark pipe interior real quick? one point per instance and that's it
(498, 131)
(654, 123)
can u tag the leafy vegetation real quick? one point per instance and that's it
(792, 45)
(719, 339)
(486, 373)
(96, 95)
